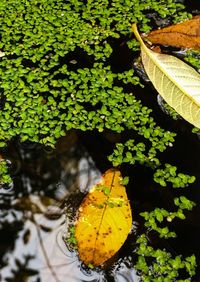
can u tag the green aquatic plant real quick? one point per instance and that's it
(132, 152)
(159, 265)
(158, 215)
(192, 57)
(70, 238)
(169, 175)
(57, 72)
(44, 86)
(5, 178)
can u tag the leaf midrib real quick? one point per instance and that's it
(169, 77)
(146, 49)
(102, 215)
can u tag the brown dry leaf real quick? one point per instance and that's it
(185, 34)
(104, 220)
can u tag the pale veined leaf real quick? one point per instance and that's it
(176, 82)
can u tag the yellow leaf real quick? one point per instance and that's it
(104, 220)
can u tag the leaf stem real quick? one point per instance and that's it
(137, 35)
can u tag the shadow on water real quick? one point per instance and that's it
(48, 187)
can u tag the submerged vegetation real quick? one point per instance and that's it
(4, 174)
(59, 72)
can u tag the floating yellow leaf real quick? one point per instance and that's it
(104, 220)
(175, 81)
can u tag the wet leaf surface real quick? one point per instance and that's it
(104, 220)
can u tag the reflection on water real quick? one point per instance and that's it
(34, 216)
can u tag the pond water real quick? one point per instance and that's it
(35, 213)
(48, 186)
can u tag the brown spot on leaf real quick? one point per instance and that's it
(95, 248)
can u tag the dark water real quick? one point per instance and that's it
(48, 185)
